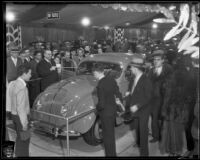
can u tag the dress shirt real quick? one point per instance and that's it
(14, 60)
(135, 82)
(158, 70)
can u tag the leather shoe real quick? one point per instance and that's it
(153, 140)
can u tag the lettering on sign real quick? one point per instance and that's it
(53, 15)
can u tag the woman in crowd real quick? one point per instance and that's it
(174, 112)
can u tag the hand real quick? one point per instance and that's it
(134, 108)
(127, 94)
(52, 68)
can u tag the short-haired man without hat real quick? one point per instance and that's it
(107, 91)
(20, 110)
(140, 97)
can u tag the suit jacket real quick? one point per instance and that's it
(48, 77)
(142, 95)
(12, 69)
(107, 90)
(19, 101)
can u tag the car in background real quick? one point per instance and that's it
(72, 96)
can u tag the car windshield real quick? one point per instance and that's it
(86, 68)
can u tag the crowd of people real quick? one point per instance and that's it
(166, 90)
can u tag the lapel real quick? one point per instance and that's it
(139, 83)
(11, 62)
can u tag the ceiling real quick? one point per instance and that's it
(71, 15)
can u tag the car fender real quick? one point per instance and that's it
(83, 124)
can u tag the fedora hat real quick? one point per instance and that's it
(158, 52)
(138, 62)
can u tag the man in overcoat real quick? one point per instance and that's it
(140, 98)
(158, 74)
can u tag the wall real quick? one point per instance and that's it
(29, 34)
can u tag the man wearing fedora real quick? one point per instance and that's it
(158, 74)
(140, 97)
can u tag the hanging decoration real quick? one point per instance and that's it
(188, 21)
(119, 35)
(13, 35)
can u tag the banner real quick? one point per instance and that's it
(119, 35)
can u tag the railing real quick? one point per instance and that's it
(68, 120)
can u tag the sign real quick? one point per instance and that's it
(53, 15)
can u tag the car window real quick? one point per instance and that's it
(111, 68)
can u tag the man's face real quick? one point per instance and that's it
(158, 61)
(27, 53)
(38, 56)
(14, 54)
(48, 55)
(27, 75)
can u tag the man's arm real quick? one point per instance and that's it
(21, 108)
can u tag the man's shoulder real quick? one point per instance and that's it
(16, 86)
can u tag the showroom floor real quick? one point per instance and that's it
(42, 145)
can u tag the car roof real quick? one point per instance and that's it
(113, 57)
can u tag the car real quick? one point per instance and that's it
(75, 95)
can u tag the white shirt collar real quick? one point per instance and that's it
(22, 81)
(137, 78)
(14, 59)
(158, 70)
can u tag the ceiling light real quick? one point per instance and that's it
(10, 17)
(123, 8)
(85, 21)
(106, 27)
(155, 26)
(127, 24)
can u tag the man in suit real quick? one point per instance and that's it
(47, 70)
(140, 97)
(34, 83)
(158, 75)
(13, 62)
(107, 91)
(20, 110)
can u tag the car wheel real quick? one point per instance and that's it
(94, 135)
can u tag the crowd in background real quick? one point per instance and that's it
(179, 91)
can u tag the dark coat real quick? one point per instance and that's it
(158, 81)
(107, 90)
(34, 83)
(142, 95)
(174, 106)
(12, 69)
(48, 77)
